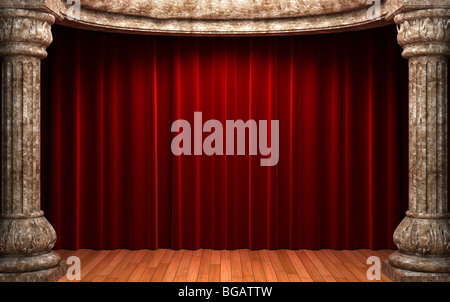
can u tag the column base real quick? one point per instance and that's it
(401, 275)
(52, 274)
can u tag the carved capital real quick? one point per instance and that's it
(424, 32)
(25, 32)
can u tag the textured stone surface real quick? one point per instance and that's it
(236, 17)
(49, 6)
(28, 263)
(223, 9)
(105, 21)
(421, 263)
(52, 274)
(225, 17)
(401, 275)
(26, 237)
(423, 237)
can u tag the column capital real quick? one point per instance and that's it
(424, 32)
(52, 7)
(25, 32)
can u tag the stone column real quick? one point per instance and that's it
(26, 237)
(423, 237)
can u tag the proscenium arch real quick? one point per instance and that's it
(423, 237)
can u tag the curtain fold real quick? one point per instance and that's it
(110, 180)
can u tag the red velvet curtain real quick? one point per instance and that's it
(110, 179)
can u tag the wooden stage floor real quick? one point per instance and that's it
(243, 265)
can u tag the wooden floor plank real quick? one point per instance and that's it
(276, 263)
(321, 268)
(346, 272)
(254, 256)
(329, 265)
(312, 271)
(351, 267)
(299, 268)
(138, 272)
(160, 272)
(357, 262)
(225, 266)
(184, 264)
(99, 279)
(331, 256)
(258, 270)
(286, 261)
(100, 266)
(263, 255)
(214, 273)
(236, 266)
(147, 275)
(243, 265)
(127, 272)
(163, 266)
(283, 277)
(294, 278)
(173, 266)
(203, 277)
(121, 265)
(157, 258)
(107, 270)
(140, 254)
(215, 257)
(205, 263)
(98, 257)
(149, 256)
(246, 263)
(194, 267)
(270, 274)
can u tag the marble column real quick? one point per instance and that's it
(423, 237)
(26, 237)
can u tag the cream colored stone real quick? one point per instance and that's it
(26, 237)
(423, 237)
(223, 9)
(236, 17)
(98, 20)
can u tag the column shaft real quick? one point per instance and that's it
(26, 237)
(423, 237)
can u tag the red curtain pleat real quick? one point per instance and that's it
(110, 180)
